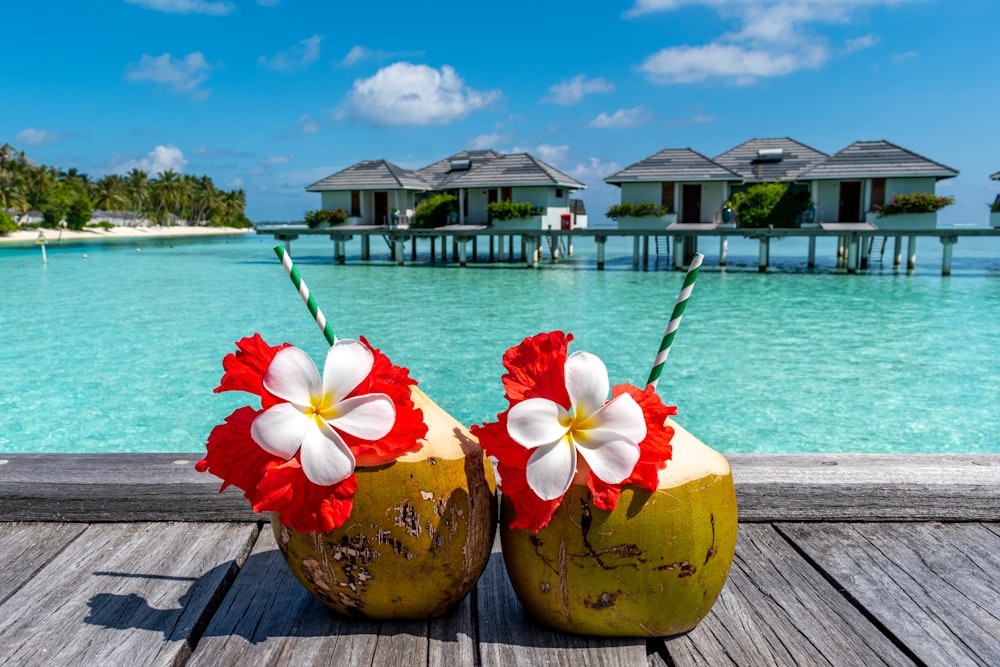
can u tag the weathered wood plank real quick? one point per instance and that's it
(934, 586)
(96, 488)
(509, 637)
(25, 548)
(777, 610)
(123, 594)
(866, 487)
(268, 618)
(804, 487)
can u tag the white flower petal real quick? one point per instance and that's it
(279, 430)
(292, 376)
(609, 456)
(326, 458)
(369, 417)
(536, 421)
(551, 469)
(347, 363)
(587, 383)
(622, 415)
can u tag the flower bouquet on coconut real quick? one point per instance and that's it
(381, 503)
(614, 520)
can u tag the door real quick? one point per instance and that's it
(381, 208)
(849, 209)
(691, 202)
(491, 198)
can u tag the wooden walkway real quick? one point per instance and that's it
(841, 560)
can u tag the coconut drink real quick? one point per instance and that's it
(614, 520)
(381, 503)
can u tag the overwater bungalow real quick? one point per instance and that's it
(995, 206)
(842, 190)
(676, 185)
(377, 192)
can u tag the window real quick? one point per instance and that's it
(667, 196)
(558, 193)
(878, 192)
(507, 194)
(355, 203)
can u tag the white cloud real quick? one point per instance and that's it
(306, 124)
(359, 53)
(593, 169)
(860, 43)
(484, 141)
(182, 75)
(186, 6)
(277, 159)
(268, 3)
(690, 64)
(900, 57)
(31, 136)
(571, 91)
(773, 38)
(551, 154)
(407, 94)
(356, 54)
(158, 160)
(634, 117)
(301, 54)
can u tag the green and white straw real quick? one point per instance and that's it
(300, 285)
(675, 320)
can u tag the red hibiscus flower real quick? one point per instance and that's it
(296, 455)
(560, 424)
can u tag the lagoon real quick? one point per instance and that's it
(120, 351)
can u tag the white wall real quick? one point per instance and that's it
(637, 193)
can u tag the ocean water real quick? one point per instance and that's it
(117, 347)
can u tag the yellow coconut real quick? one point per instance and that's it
(653, 566)
(419, 536)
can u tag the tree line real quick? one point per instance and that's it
(72, 196)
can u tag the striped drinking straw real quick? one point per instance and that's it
(300, 285)
(675, 320)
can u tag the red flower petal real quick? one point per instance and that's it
(535, 368)
(246, 367)
(530, 512)
(655, 450)
(233, 455)
(409, 429)
(305, 506)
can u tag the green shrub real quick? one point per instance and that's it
(769, 204)
(641, 210)
(433, 211)
(915, 202)
(103, 224)
(7, 224)
(314, 218)
(995, 206)
(508, 210)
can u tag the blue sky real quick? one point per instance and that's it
(271, 95)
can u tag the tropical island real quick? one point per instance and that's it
(34, 197)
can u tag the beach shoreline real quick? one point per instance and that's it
(26, 237)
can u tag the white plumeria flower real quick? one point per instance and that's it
(316, 410)
(607, 435)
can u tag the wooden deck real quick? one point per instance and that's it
(841, 560)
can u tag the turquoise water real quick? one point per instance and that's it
(120, 351)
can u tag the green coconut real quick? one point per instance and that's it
(419, 536)
(653, 566)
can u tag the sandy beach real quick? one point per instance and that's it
(30, 236)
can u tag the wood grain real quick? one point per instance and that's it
(25, 548)
(777, 610)
(123, 594)
(934, 586)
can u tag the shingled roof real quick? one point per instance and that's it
(877, 159)
(794, 159)
(674, 164)
(443, 171)
(996, 176)
(515, 169)
(372, 175)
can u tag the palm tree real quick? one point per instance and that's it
(166, 195)
(108, 193)
(137, 190)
